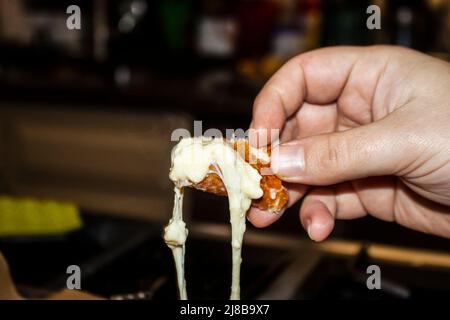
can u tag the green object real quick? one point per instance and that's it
(27, 216)
(175, 17)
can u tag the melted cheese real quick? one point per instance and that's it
(175, 235)
(191, 160)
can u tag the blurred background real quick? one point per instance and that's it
(85, 123)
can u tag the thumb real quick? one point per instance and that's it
(371, 150)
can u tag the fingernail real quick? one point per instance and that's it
(288, 160)
(308, 227)
(309, 231)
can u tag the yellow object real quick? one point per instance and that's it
(269, 64)
(247, 68)
(26, 216)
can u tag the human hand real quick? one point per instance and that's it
(368, 128)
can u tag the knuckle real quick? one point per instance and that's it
(335, 154)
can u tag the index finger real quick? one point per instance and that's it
(317, 77)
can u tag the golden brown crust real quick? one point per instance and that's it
(275, 196)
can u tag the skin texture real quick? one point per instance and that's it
(373, 126)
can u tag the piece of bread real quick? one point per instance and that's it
(275, 196)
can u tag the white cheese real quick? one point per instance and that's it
(191, 159)
(175, 235)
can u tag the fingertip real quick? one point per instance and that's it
(268, 119)
(258, 137)
(261, 136)
(320, 231)
(262, 218)
(317, 220)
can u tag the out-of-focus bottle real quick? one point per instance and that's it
(297, 31)
(216, 31)
(413, 24)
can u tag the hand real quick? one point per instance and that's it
(368, 128)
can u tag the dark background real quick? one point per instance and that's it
(147, 57)
(137, 67)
